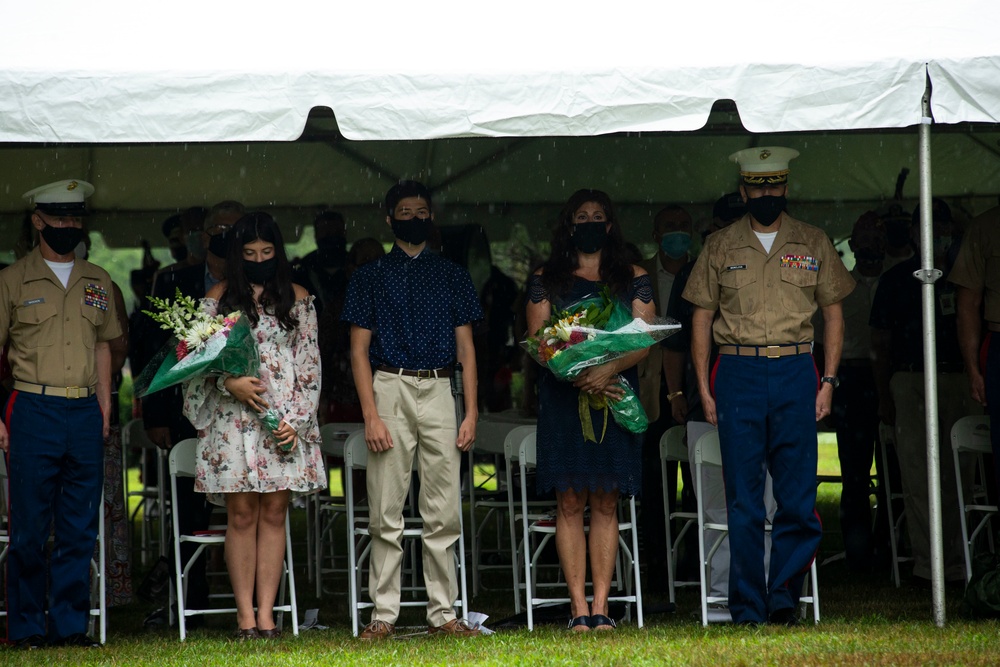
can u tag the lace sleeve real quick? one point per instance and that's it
(536, 290)
(641, 288)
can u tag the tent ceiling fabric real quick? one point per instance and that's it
(252, 71)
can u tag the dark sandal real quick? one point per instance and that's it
(578, 621)
(244, 634)
(273, 633)
(600, 620)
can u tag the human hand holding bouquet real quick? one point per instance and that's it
(576, 342)
(206, 344)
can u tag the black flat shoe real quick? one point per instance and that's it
(601, 621)
(787, 616)
(273, 633)
(579, 621)
(246, 634)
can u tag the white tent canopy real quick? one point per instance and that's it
(121, 71)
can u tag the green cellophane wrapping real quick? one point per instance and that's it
(620, 335)
(229, 352)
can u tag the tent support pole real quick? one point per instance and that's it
(928, 275)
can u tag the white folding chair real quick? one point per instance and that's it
(536, 509)
(707, 453)
(359, 541)
(627, 553)
(182, 464)
(971, 435)
(491, 434)
(97, 618)
(673, 447)
(151, 495)
(323, 512)
(886, 438)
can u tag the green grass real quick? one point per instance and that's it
(865, 621)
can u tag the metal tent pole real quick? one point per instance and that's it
(928, 275)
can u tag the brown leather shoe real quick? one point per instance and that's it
(457, 627)
(377, 630)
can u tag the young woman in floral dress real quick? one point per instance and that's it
(254, 469)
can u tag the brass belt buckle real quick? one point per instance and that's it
(425, 374)
(773, 351)
(72, 390)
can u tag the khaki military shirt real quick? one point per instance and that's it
(767, 299)
(52, 331)
(978, 264)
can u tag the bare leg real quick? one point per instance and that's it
(572, 547)
(270, 554)
(603, 547)
(243, 510)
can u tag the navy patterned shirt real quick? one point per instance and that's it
(412, 306)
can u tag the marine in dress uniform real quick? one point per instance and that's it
(755, 288)
(57, 313)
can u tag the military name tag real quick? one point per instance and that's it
(34, 302)
(736, 267)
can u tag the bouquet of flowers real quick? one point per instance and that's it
(593, 331)
(202, 344)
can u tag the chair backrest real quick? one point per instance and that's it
(356, 451)
(672, 445)
(334, 435)
(182, 458)
(512, 443)
(706, 449)
(491, 436)
(526, 450)
(972, 434)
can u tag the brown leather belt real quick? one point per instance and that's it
(769, 351)
(445, 372)
(61, 392)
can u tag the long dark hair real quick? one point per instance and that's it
(278, 296)
(616, 271)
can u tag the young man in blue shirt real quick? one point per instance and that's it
(411, 315)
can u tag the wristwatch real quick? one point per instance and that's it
(833, 380)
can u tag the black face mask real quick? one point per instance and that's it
(766, 209)
(413, 231)
(217, 245)
(590, 237)
(897, 233)
(62, 240)
(259, 273)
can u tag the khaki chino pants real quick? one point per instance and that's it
(420, 416)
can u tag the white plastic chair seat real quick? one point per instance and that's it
(971, 435)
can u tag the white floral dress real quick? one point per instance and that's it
(236, 452)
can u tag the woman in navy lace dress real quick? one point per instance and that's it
(588, 252)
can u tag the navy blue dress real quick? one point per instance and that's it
(565, 461)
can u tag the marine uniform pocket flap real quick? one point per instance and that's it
(736, 276)
(36, 313)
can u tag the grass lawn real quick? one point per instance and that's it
(865, 621)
